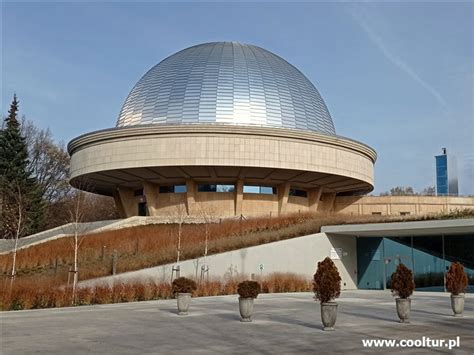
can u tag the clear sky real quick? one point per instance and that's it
(397, 76)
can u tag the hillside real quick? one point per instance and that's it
(152, 245)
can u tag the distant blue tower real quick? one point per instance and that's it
(446, 175)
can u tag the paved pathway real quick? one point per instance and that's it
(283, 324)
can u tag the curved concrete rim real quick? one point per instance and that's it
(101, 136)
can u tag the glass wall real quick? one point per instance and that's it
(168, 189)
(430, 266)
(215, 188)
(254, 189)
(441, 175)
(429, 257)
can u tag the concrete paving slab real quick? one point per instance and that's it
(282, 324)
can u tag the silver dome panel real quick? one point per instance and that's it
(226, 82)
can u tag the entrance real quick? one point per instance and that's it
(142, 209)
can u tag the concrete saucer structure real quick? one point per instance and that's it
(223, 128)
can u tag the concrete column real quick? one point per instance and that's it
(128, 201)
(389, 208)
(190, 196)
(151, 192)
(283, 193)
(331, 200)
(239, 196)
(119, 205)
(327, 203)
(314, 195)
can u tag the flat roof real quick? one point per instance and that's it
(402, 229)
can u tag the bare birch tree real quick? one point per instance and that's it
(16, 222)
(76, 212)
(208, 215)
(180, 217)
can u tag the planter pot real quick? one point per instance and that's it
(246, 309)
(403, 309)
(184, 299)
(457, 304)
(328, 315)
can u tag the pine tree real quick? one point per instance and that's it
(16, 179)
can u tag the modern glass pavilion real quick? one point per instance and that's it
(426, 247)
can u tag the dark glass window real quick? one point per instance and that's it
(166, 189)
(299, 193)
(266, 190)
(207, 188)
(173, 189)
(138, 192)
(215, 188)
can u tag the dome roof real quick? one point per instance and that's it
(226, 82)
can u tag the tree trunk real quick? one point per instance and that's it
(74, 280)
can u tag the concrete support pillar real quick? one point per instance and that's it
(327, 202)
(119, 205)
(128, 201)
(239, 196)
(151, 192)
(283, 193)
(314, 195)
(190, 196)
(389, 209)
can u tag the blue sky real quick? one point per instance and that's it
(397, 76)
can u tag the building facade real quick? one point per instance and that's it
(224, 129)
(427, 248)
(227, 129)
(446, 175)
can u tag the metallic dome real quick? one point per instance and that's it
(226, 82)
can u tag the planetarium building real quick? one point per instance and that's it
(224, 128)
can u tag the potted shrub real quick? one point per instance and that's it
(327, 287)
(402, 285)
(456, 283)
(183, 289)
(248, 291)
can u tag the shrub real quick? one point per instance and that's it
(183, 285)
(402, 283)
(456, 279)
(326, 281)
(84, 296)
(248, 289)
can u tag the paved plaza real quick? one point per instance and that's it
(283, 324)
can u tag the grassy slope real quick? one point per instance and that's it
(146, 246)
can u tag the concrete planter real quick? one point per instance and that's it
(328, 315)
(184, 299)
(457, 304)
(403, 309)
(246, 309)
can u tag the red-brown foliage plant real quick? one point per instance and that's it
(456, 279)
(326, 281)
(183, 285)
(402, 283)
(248, 289)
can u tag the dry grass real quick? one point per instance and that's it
(43, 293)
(146, 246)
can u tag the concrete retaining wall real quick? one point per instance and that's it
(297, 255)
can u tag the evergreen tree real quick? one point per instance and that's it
(16, 179)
